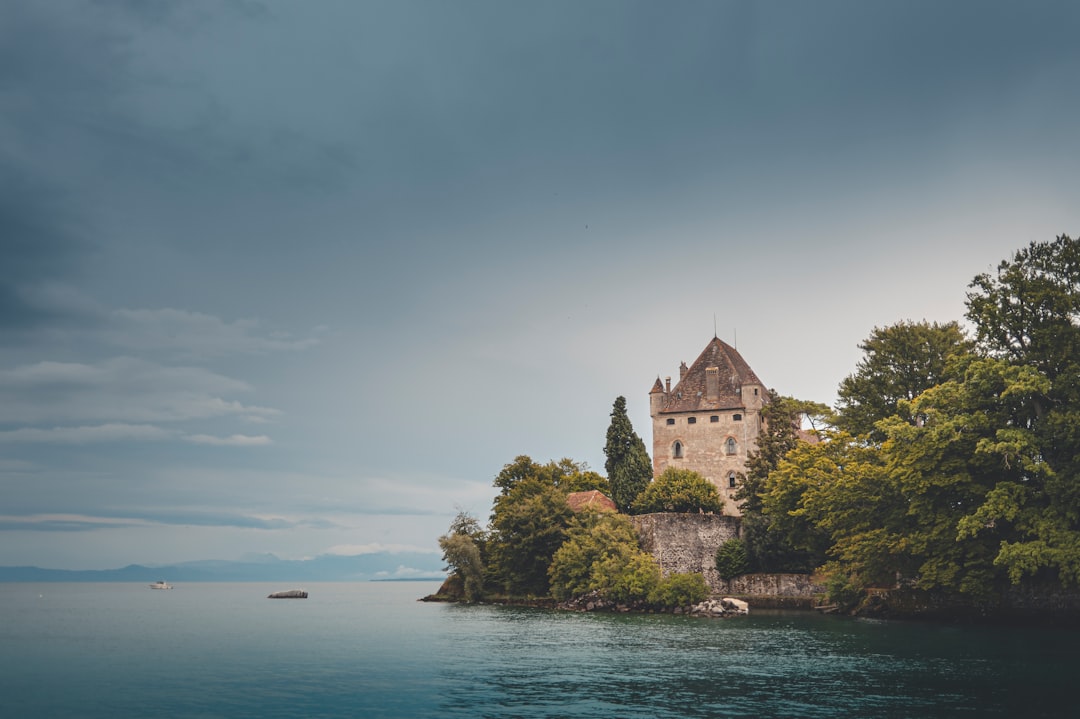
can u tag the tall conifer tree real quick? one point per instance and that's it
(628, 466)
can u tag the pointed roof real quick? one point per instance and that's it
(689, 394)
(657, 387)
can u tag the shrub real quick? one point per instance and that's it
(679, 490)
(601, 554)
(679, 590)
(731, 559)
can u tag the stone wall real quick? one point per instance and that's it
(688, 543)
(772, 585)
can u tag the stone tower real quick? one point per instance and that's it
(709, 422)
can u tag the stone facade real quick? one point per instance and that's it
(710, 421)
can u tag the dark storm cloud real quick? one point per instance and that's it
(56, 74)
(37, 243)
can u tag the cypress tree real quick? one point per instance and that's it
(628, 466)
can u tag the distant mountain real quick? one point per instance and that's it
(264, 568)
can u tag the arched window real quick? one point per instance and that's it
(737, 418)
(730, 445)
(731, 479)
(676, 450)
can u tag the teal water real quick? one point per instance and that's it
(371, 650)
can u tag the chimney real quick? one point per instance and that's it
(712, 383)
(667, 385)
(682, 371)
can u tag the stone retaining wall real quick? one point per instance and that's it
(688, 543)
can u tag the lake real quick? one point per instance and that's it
(372, 650)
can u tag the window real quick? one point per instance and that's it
(691, 420)
(737, 418)
(730, 445)
(731, 479)
(714, 418)
(676, 450)
(671, 421)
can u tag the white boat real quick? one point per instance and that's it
(161, 585)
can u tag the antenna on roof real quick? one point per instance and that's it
(735, 331)
(714, 325)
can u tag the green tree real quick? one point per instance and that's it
(767, 548)
(1028, 315)
(528, 525)
(601, 554)
(921, 507)
(462, 551)
(731, 559)
(565, 474)
(1027, 311)
(679, 490)
(899, 362)
(628, 466)
(462, 556)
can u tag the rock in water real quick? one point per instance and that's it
(290, 594)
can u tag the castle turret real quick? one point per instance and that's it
(656, 397)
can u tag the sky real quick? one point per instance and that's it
(299, 278)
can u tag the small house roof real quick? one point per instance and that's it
(593, 499)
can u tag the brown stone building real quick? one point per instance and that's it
(710, 420)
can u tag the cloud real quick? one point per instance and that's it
(65, 313)
(236, 440)
(403, 572)
(71, 522)
(121, 389)
(65, 523)
(84, 434)
(193, 333)
(355, 550)
(124, 432)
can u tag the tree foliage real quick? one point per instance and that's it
(731, 559)
(601, 556)
(462, 552)
(564, 474)
(767, 548)
(899, 363)
(960, 469)
(628, 467)
(528, 525)
(599, 548)
(679, 589)
(679, 490)
(1027, 315)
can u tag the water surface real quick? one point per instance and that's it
(371, 650)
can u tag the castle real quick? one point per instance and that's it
(710, 421)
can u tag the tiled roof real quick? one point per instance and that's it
(593, 499)
(689, 395)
